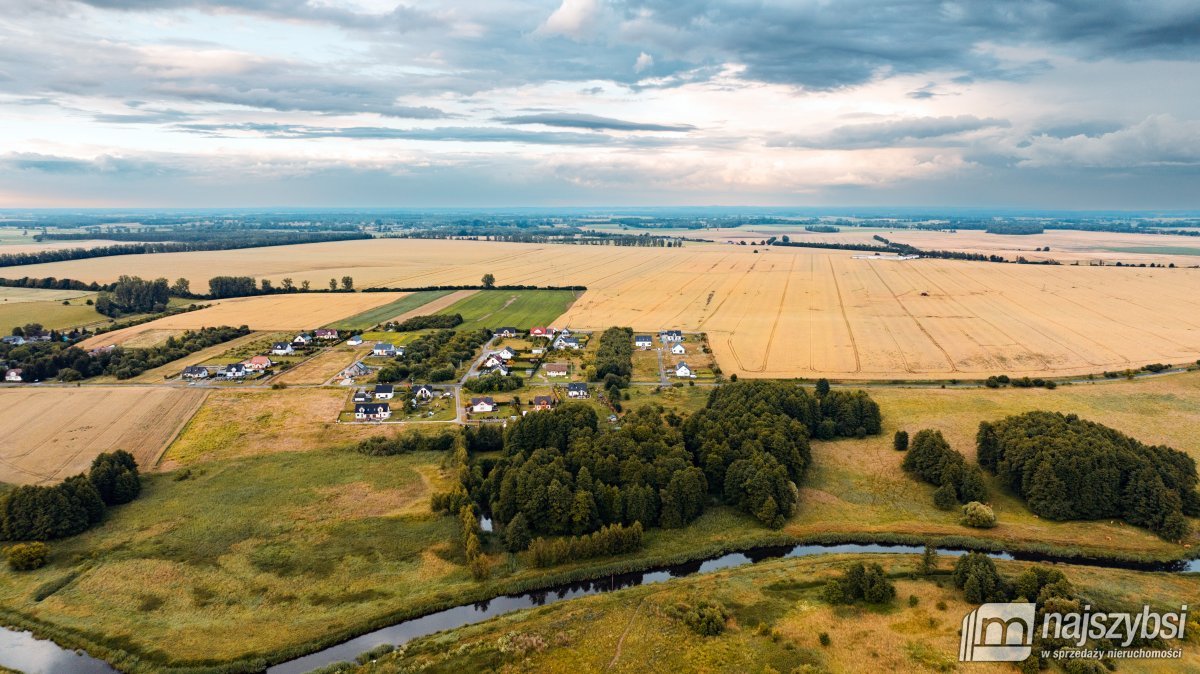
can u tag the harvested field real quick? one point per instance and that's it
(323, 366)
(781, 312)
(53, 433)
(14, 295)
(409, 303)
(272, 312)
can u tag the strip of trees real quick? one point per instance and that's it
(931, 459)
(1068, 468)
(430, 321)
(134, 295)
(42, 513)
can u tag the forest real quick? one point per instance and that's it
(434, 357)
(1068, 468)
(41, 513)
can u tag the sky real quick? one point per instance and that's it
(474, 103)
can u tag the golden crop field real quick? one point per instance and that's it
(18, 295)
(53, 433)
(270, 312)
(777, 312)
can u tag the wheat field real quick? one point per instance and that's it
(769, 312)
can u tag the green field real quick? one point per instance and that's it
(373, 317)
(521, 309)
(1155, 250)
(775, 619)
(52, 314)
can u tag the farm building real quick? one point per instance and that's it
(372, 411)
(195, 372)
(678, 349)
(422, 392)
(384, 391)
(13, 374)
(543, 402)
(556, 369)
(483, 405)
(577, 390)
(643, 341)
(682, 370)
(325, 333)
(282, 349)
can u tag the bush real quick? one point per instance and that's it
(823, 637)
(975, 574)
(978, 515)
(707, 619)
(27, 556)
(865, 582)
(900, 441)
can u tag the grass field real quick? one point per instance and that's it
(521, 309)
(784, 312)
(53, 433)
(52, 314)
(776, 619)
(389, 311)
(16, 295)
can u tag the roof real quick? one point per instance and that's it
(543, 400)
(195, 369)
(422, 387)
(325, 331)
(568, 340)
(385, 346)
(15, 370)
(256, 360)
(673, 333)
(485, 399)
(280, 345)
(235, 367)
(371, 408)
(681, 365)
(642, 338)
(507, 329)
(384, 388)
(577, 386)
(556, 367)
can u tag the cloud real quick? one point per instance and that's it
(643, 62)
(450, 133)
(571, 18)
(1157, 141)
(918, 131)
(585, 121)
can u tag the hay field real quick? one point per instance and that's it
(323, 366)
(16, 295)
(780, 312)
(270, 312)
(53, 433)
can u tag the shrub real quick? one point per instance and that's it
(823, 637)
(900, 441)
(27, 556)
(978, 515)
(865, 582)
(975, 574)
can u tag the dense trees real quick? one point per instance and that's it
(412, 441)
(861, 582)
(133, 295)
(614, 539)
(435, 356)
(932, 460)
(975, 573)
(1069, 468)
(493, 383)
(231, 286)
(439, 321)
(40, 513)
(614, 355)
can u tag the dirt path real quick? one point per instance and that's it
(621, 642)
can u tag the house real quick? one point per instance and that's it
(361, 396)
(422, 392)
(543, 402)
(682, 370)
(372, 411)
(13, 375)
(195, 372)
(356, 340)
(325, 333)
(506, 353)
(667, 336)
(483, 405)
(565, 332)
(537, 351)
(15, 340)
(493, 360)
(577, 389)
(541, 332)
(303, 339)
(384, 391)
(566, 343)
(500, 369)
(643, 341)
(257, 363)
(383, 349)
(678, 349)
(235, 371)
(355, 370)
(556, 369)
(282, 349)
(507, 332)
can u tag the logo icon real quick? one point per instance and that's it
(998, 633)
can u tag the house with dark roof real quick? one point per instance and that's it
(195, 372)
(507, 332)
(678, 349)
(235, 371)
(543, 402)
(302, 339)
(667, 336)
(483, 405)
(577, 389)
(422, 392)
(643, 341)
(13, 375)
(282, 349)
(562, 342)
(682, 370)
(372, 411)
(384, 391)
(355, 340)
(383, 349)
(325, 333)
(361, 396)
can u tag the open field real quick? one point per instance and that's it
(269, 312)
(776, 618)
(406, 303)
(321, 367)
(14, 295)
(53, 433)
(521, 309)
(52, 314)
(781, 312)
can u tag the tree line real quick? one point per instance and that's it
(64, 254)
(1068, 468)
(43, 513)
(434, 357)
(436, 321)
(134, 295)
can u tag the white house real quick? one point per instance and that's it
(257, 363)
(506, 353)
(13, 374)
(682, 370)
(483, 405)
(383, 349)
(372, 411)
(507, 332)
(302, 339)
(195, 372)
(541, 332)
(326, 333)
(282, 349)
(493, 360)
(235, 371)
(577, 390)
(668, 336)
(562, 342)
(678, 349)
(555, 369)
(384, 391)
(643, 341)
(356, 340)
(422, 392)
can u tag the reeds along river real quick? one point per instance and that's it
(20, 650)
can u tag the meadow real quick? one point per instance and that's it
(776, 312)
(52, 314)
(53, 433)
(776, 619)
(400, 307)
(521, 309)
